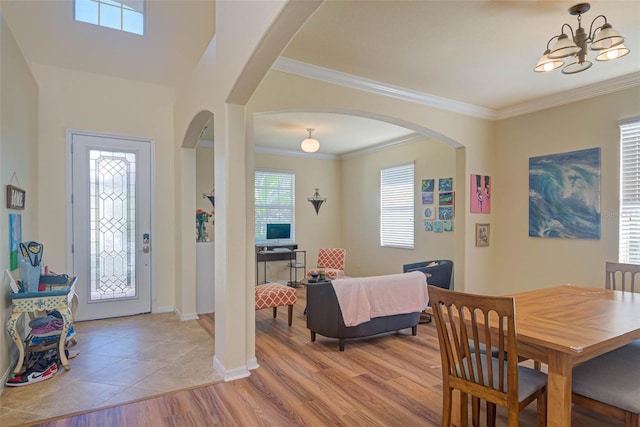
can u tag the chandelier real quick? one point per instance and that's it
(603, 39)
(310, 145)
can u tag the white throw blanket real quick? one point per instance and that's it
(364, 298)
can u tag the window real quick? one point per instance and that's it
(397, 206)
(125, 15)
(629, 228)
(275, 201)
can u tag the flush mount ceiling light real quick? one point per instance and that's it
(606, 41)
(310, 145)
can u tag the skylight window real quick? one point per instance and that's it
(125, 15)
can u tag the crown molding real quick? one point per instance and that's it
(574, 95)
(414, 137)
(292, 153)
(316, 72)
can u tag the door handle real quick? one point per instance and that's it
(145, 241)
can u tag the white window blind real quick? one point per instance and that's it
(397, 206)
(275, 201)
(629, 232)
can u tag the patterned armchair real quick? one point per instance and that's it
(332, 259)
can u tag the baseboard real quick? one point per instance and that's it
(252, 364)
(232, 374)
(188, 316)
(165, 309)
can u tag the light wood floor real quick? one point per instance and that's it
(390, 380)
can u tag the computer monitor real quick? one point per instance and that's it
(278, 231)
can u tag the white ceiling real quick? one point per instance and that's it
(479, 54)
(177, 34)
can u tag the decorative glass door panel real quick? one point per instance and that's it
(111, 218)
(112, 194)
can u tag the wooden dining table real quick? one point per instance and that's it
(563, 326)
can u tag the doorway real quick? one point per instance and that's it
(111, 224)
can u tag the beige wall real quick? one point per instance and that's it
(361, 208)
(474, 140)
(312, 231)
(71, 99)
(18, 153)
(524, 262)
(350, 217)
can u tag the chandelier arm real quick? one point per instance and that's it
(573, 36)
(592, 32)
(550, 40)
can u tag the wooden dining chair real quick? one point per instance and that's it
(610, 384)
(622, 277)
(466, 320)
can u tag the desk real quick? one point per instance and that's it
(565, 325)
(31, 302)
(272, 252)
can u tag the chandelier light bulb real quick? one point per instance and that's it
(612, 53)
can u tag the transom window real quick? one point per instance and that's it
(125, 15)
(629, 228)
(397, 206)
(275, 201)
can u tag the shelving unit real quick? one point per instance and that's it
(298, 260)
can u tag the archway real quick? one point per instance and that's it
(366, 255)
(186, 283)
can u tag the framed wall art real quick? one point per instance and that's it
(15, 197)
(482, 235)
(564, 195)
(480, 194)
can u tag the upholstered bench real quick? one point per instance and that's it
(274, 295)
(610, 384)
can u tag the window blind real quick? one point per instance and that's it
(397, 206)
(274, 201)
(629, 228)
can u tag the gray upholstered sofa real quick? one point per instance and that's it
(324, 317)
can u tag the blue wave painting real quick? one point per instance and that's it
(564, 195)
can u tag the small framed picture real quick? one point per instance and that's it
(427, 198)
(445, 212)
(429, 213)
(428, 185)
(482, 235)
(15, 197)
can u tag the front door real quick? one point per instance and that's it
(111, 217)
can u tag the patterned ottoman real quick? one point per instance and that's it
(274, 295)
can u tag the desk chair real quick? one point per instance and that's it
(460, 321)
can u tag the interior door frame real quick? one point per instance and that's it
(152, 199)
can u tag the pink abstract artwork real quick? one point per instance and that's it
(480, 194)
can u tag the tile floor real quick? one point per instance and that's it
(120, 360)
